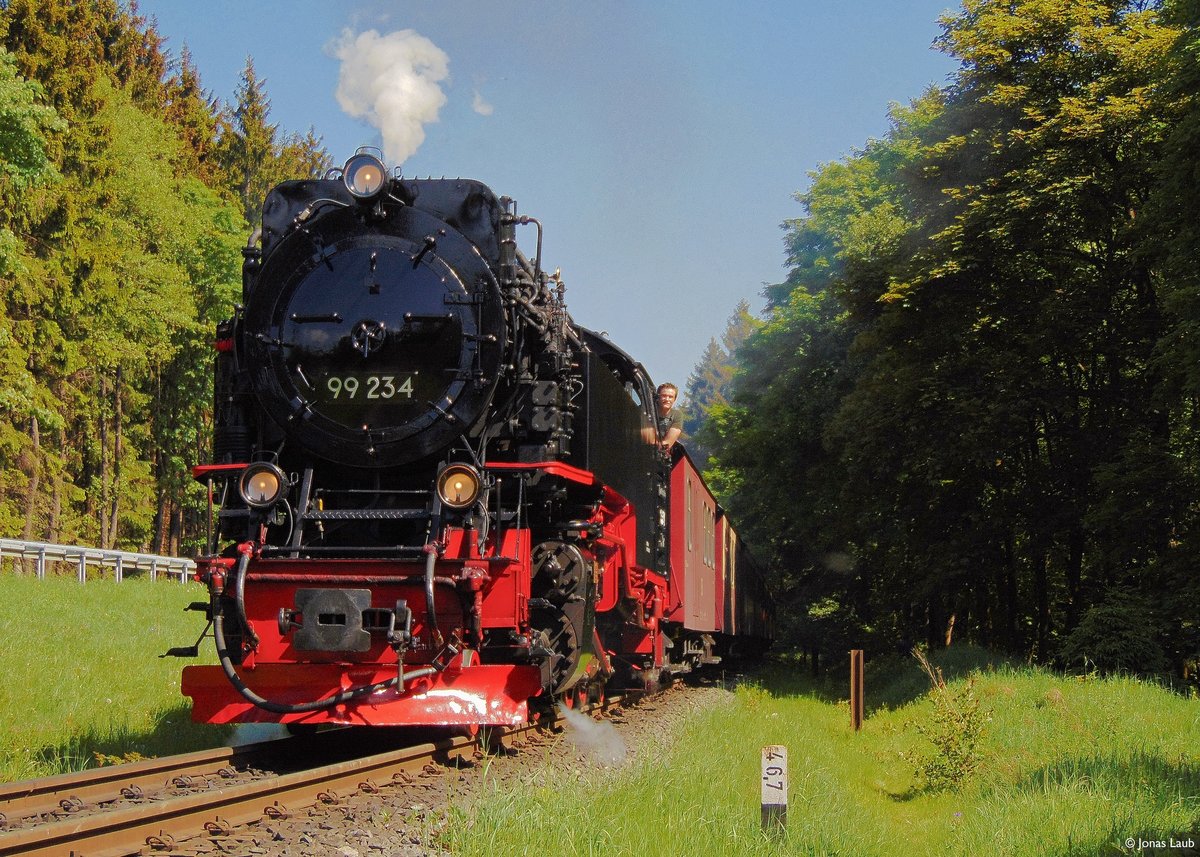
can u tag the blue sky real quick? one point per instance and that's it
(659, 143)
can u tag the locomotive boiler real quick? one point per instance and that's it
(435, 498)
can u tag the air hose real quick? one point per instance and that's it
(288, 707)
(430, 603)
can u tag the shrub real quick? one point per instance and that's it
(954, 728)
(1118, 635)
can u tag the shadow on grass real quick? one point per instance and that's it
(1160, 782)
(891, 680)
(1159, 787)
(1163, 781)
(172, 732)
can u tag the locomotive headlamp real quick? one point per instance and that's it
(262, 485)
(458, 486)
(365, 176)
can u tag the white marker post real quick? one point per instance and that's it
(774, 787)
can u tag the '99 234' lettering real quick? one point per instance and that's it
(369, 386)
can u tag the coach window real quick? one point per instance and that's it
(688, 513)
(707, 535)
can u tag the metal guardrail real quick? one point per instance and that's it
(122, 562)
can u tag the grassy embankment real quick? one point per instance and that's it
(81, 672)
(1066, 766)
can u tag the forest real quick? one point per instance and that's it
(970, 413)
(126, 192)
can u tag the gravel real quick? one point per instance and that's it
(403, 819)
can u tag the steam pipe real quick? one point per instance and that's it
(537, 257)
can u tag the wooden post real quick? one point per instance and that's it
(856, 688)
(774, 787)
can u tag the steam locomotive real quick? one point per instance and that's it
(434, 498)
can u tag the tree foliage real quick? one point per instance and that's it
(252, 152)
(990, 421)
(711, 381)
(119, 252)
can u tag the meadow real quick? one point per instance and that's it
(82, 676)
(1059, 766)
(1005, 759)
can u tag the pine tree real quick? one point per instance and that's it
(711, 379)
(253, 156)
(25, 413)
(302, 157)
(247, 144)
(194, 113)
(114, 294)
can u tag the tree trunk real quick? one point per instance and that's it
(56, 503)
(101, 508)
(159, 533)
(160, 518)
(35, 477)
(1041, 588)
(1075, 545)
(114, 514)
(176, 536)
(935, 621)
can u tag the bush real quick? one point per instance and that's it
(1118, 635)
(954, 728)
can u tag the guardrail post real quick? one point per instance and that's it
(40, 566)
(153, 569)
(119, 569)
(83, 567)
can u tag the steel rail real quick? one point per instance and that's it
(27, 798)
(124, 831)
(127, 830)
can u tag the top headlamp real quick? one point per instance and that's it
(365, 176)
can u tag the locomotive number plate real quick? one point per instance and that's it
(369, 386)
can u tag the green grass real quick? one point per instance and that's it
(1068, 767)
(81, 672)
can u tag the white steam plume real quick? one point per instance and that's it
(597, 738)
(392, 81)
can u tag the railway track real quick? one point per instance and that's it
(149, 806)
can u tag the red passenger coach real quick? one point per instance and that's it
(697, 563)
(718, 597)
(435, 498)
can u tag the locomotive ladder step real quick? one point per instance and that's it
(365, 514)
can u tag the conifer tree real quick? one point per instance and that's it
(247, 144)
(110, 300)
(194, 113)
(710, 383)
